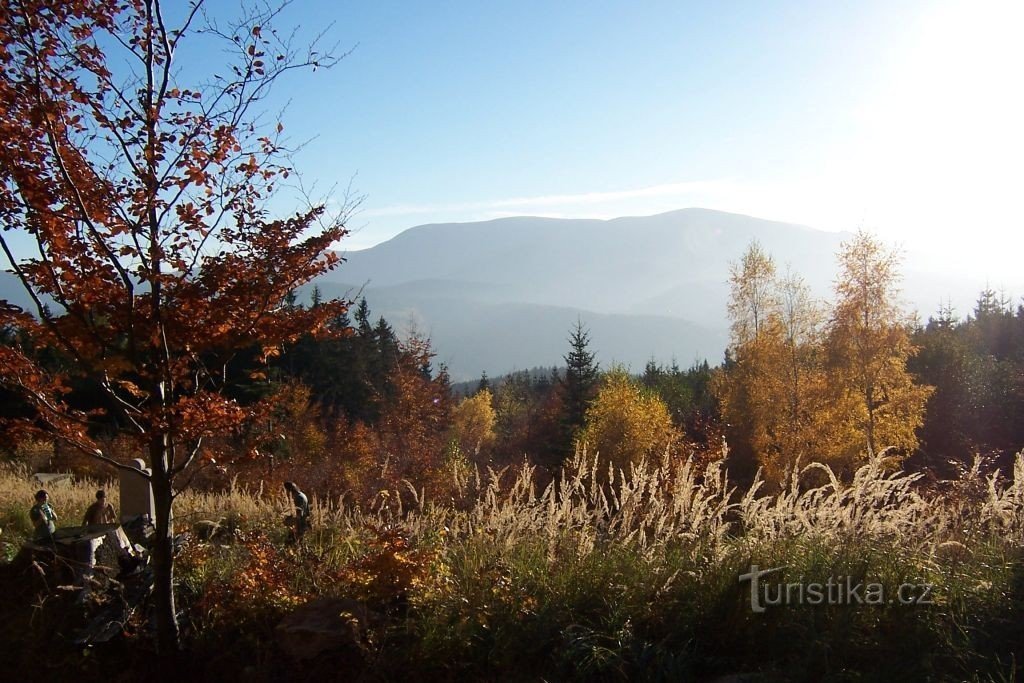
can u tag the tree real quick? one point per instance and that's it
(671, 386)
(869, 346)
(363, 325)
(580, 381)
(977, 368)
(771, 389)
(473, 423)
(944, 360)
(801, 379)
(144, 199)
(753, 300)
(747, 385)
(408, 442)
(627, 422)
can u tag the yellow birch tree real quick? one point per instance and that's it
(625, 422)
(868, 348)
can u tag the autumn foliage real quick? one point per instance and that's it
(627, 423)
(152, 258)
(473, 421)
(802, 386)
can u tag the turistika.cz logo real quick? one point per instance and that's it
(835, 591)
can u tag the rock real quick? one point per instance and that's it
(323, 626)
(211, 531)
(952, 552)
(47, 479)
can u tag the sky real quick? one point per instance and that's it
(902, 117)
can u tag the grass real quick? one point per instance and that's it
(612, 576)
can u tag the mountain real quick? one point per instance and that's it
(502, 294)
(12, 291)
(472, 334)
(670, 264)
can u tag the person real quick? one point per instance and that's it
(43, 517)
(102, 512)
(301, 502)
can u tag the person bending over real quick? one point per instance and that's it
(301, 502)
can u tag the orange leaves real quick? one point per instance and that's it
(261, 584)
(796, 389)
(204, 415)
(197, 175)
(132, 388)
(250, 166)
(269, 352)
(390, 569)
(126, 224)
(869, 344)
(188, 213)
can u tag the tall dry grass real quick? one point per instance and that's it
(634, 574)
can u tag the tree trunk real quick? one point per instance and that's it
(163, 552)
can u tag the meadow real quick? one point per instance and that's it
(600, 575)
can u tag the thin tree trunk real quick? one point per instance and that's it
(163, 552)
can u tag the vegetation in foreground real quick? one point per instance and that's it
(597, 576)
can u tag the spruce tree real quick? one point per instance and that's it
(580, 382)
(363, 326)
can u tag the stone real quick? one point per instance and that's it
(136, 492)
(212, 531)
(324, 626)
(47, 479)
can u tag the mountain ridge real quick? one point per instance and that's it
(649, 285)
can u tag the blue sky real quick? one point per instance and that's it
(460, 107)
(901, 116)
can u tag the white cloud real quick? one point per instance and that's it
(536, 205)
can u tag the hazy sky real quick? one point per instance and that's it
(901, 116)
(904, 117)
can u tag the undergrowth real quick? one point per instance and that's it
(607, 575)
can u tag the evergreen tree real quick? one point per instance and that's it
(363, 326)
(542, 385)
(387, 343)
(944, 361)
(580, 382)
(484, 384)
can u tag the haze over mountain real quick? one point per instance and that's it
(626, 265)
(501, 295)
